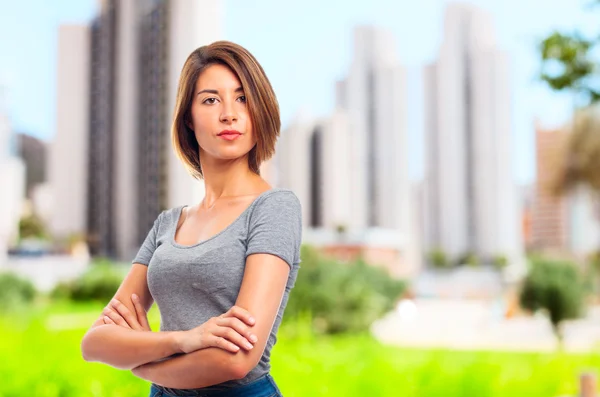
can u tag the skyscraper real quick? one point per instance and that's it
(471, 196)
(101, 138)
(349, 169)
(12, 180)
(314, 160)
(136, 52)
(68, 160)
(561, 222)
(169, 32)
(373, 97)
(549, 216)
(33, 152)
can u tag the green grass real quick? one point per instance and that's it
(39, 352)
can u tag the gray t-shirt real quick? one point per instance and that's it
(191, 284)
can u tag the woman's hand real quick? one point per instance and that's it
(229, 331)
(117, 313)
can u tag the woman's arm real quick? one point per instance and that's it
(261, 292)
(121, 339)
(128, 348)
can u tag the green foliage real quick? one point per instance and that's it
(341, 297)
(555, 287)
(469, 258)
(499, 261)
(41, 357)
(593, 272)
(98, 283)
(341, 229)
(567, 64)
(32, 227)
(15, 292)
(438, 259)
(570, 64)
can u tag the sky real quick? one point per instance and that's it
(305, 47)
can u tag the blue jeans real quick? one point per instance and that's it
(262, 387)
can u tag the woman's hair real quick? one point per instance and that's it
(260, 100)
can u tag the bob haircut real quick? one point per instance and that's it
(262, 104)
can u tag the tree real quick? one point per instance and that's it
(568, 64)
(555, 287)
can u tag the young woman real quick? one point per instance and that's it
(221, 270)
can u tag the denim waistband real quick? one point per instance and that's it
(262, 387)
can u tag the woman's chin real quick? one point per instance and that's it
(230, 155)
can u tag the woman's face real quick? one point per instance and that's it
(220, 117)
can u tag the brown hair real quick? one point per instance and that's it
(260, 99)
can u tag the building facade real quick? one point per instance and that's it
(136, 51)
(471, 198)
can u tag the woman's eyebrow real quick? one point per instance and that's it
(210, 91)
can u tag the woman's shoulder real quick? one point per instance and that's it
(276, 197)
(276, 203)
(170, 216)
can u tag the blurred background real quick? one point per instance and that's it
(446, 154)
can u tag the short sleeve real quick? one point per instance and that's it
(149, 246)
(275, 227)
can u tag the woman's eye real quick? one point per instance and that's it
(210, 101)
(242, 99)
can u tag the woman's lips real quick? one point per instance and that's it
(230, 136)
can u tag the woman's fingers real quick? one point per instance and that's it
(107, 320)
(114, 317)
(222, 343)
(232, 336)
(238, 326)
(240, 313)
(141, 314)
(126, 314)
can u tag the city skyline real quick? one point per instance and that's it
(349, 169)
(302, 81)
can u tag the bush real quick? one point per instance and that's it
(468, 259)
(555, 287)
(438, 259)
(14, 291)
(499, 261)
(341, 297)
(98, 283)
(32, 227)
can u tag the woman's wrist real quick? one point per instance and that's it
(175, 341)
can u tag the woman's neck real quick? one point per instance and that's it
(230, 180)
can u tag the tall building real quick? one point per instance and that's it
(33, 152)
(101, 138)
(373, 97)
(314, 160)
(549, 221)
(153, 145)
(349, 169)
(68, 152)
(190, 24)
(561, 222)
(12, 180)
(583, 222)
(137, 51)
(471, 197)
